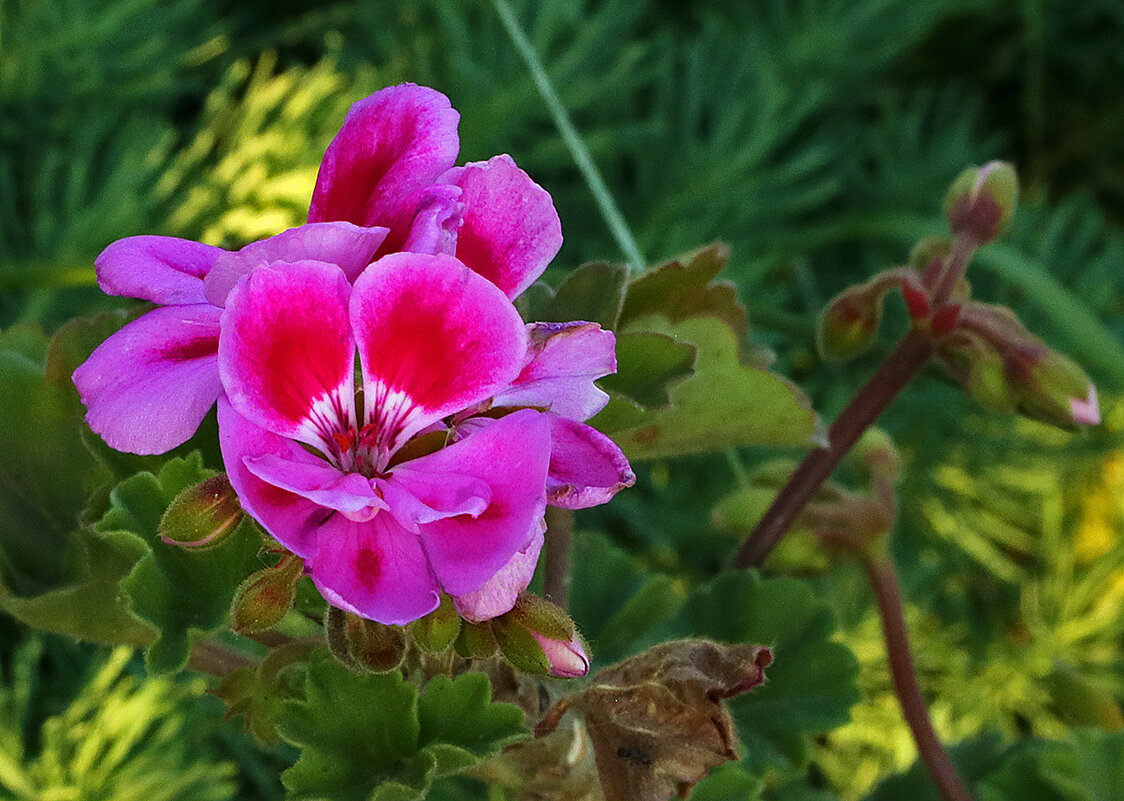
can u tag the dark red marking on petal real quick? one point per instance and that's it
(367, 566)
(192, 349)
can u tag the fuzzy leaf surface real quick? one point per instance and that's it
(370, 737)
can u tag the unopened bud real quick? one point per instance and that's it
(436, 631)
(266, 596)
(375, 646)
(982, 200)
(1059, 392)
(848, 324)
(538, 637)
(364, 645)
(202, 514)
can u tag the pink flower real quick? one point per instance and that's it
(387, 193)
(381, 532)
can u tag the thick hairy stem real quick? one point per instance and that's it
(903, 363)
(556, 571)
(884, 582)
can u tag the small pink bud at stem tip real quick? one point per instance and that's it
(1088, 411)
(568, 660)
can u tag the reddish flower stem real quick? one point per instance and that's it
(904, 362)
(884, 582)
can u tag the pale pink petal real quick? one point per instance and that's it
(375, 569)
(433, 338)
(568, 660)
(512, 457)
(415, 497)
(347, 246)
(162, 269)
(499, 593)
(511, 230)
(286, 355)
(586, 467)
(290, 519)
(148, 386)
(319, 482)
(1086, 411)
(435, 225)
(392, 146)
(562, 363)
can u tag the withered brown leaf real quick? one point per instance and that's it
(657, 721)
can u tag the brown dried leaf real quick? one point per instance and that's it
(657, 720)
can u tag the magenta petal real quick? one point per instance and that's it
(415, 497)
(511, 455)
(290, 519)
(563, 361)
(500, 592)
(286, 350)
(148, 386)
(320, 483)
(347, 246)
(435, 225)
(586, 467)
(375, 569)
(433, 338)
(162, 269)
(392, 146)
(511, 230)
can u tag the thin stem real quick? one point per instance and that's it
(904, 362)
(884, 583)
(216, 659)
(963, 248)
(559, 532)
(580, 153)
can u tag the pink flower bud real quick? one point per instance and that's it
(568, 660)
(982, 200)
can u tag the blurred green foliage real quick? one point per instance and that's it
(814, 136)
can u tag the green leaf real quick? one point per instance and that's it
(729, 782)
(593, 293)
(460, 724)
(1089, 767)
(725, 404)
(685, 288)
(46, 473)
(178, 592)
(614, 603)
(647, 362)
(812, 681)
(368, 737)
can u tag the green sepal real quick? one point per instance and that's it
(439, 629)
(519, 647)
(476, 640)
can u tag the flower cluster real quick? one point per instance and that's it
(383, 410)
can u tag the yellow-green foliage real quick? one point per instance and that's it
(119, 739)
